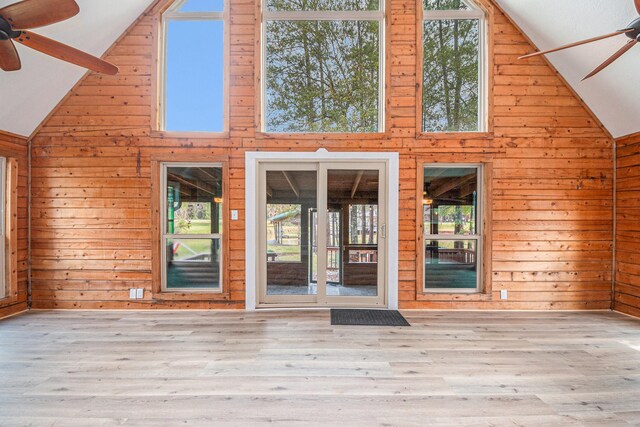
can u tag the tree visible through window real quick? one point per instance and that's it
(451, 93)
(363, 224)
(322, 65)
(284, 232)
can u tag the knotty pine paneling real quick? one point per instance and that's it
(627, 283)
(13, 146)
(551, 199)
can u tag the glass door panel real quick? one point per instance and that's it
(354, 234)
(290, 196)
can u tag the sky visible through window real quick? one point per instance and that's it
(195, 71)
(203, 6)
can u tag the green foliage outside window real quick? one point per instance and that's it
(313, 5)
(445, 5)
(322, 76)
(451, 71)
(450, 76)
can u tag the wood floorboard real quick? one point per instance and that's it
(292, 368)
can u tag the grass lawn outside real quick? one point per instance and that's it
(191, 247)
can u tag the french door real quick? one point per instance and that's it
(322, 234)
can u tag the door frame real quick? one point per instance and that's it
(312, 235)
(252, 217)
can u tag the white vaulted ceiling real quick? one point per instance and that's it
(30, 94)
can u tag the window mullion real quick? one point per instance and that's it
(195, 16)
(193, 236)
(430, 15)
(451, 237)
(324, 16)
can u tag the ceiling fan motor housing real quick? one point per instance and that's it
(635, 26)
(6, 32)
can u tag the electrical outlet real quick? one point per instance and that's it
(139, 293)
(503, 294)
(132, 294)
(234, 215)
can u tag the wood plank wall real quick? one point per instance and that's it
(13, 146)
(551, 187)
(627, 286)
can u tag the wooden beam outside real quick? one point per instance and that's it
(292, 183)
(356, 183)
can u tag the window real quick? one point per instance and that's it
(363, 234)
(363, 224)
(3, 203)
(284, 233)
(452, 220)
(192, 227)
(453, 67)
(193, 78)
(322, 63)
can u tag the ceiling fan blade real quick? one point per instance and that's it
(65, 53)
(613, 57)
(594, 39)
(9, 59)
(38, 13)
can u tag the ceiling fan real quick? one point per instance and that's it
(632, 31)
(16, 18)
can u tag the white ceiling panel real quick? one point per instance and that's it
(30, 94)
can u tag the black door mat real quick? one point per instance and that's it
(341, 316)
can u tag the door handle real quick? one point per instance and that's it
(383, 231)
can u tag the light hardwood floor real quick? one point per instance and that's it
(292, 368)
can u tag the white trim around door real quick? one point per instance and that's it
(252, 162)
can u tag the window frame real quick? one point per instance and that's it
(10, 252)
(4, 283)
(164, 236)
(171, 13)
(379, 15)
(479, 12)
(479, 237)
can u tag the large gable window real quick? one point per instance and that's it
(322, 62)
(193, 83)
(453, 73)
